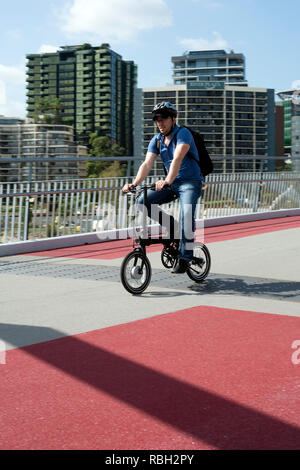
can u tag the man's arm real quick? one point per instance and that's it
(143, 171)
(179, 154)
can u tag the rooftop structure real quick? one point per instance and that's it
(209, 66)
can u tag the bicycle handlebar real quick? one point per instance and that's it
(152, 186)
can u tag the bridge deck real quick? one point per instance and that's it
(183, 366)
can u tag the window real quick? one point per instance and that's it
(166, 94)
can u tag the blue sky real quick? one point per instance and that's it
(150, 32)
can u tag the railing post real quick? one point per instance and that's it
(257, 193)
(26, 218)
(129, 163)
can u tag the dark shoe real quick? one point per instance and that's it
(180, 266)
(199, 261)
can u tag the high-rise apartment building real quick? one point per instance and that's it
(94, 85)
(21, 140)
(234, 120)
(209, 66)
(290, 101)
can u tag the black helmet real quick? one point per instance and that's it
(164, 110)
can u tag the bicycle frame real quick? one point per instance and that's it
(145, 239)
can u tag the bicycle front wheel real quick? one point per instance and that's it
(199, 268)
(135, 272)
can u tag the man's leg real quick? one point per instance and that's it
(189, 194)
(154, 200)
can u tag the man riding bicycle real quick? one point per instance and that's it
(183, 179)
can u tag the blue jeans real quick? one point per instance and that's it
(188, 193)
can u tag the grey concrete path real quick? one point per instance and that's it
(45, 298)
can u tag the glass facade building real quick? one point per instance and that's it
(290, 101)
(234, 121)
(95, 88)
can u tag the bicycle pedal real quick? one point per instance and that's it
(199, 261)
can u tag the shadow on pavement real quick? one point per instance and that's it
(218, 421)
(249, 286)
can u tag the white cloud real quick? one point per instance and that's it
(8, 106)
(208, 3)
(13, 74)
(2, 93)
(47, 48)
(113, 20)
(295, 84)
(204, 44)
(12, 90)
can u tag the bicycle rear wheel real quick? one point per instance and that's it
(135, 272)
(199, 268)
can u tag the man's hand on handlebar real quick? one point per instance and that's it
(128, 187)
(160, 184)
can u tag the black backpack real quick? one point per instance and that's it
(205, 163)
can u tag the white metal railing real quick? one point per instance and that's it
(30, 211)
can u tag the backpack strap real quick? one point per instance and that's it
(175, 135)
(158, 150)
(157, 142)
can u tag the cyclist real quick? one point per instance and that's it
(183, 179)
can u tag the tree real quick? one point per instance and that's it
(86, 45)
(104, 147)
(284, 166)
(48, 111)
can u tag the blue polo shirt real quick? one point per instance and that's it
(189, 169)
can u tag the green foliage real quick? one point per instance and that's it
(86, 45)
(48, 111)
(104, 147)
(284, 167)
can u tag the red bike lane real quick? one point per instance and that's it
(197, 378)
